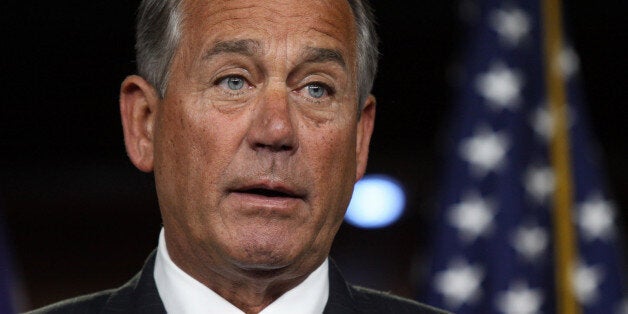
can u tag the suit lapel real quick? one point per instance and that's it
(139, 295)
(340, 299)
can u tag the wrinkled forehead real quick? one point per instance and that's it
(325, 23)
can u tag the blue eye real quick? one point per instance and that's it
(234, 82)
(316, 90)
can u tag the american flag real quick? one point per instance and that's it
(524, 223)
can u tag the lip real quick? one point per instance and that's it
(268, 189)
(268, 197)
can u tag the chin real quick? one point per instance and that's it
(266, 253)
(266, 244)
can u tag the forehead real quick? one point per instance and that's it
(322, 23)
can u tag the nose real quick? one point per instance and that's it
(272, 128)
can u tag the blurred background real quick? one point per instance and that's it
(78, 217)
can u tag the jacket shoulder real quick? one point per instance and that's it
(91, 303)
(373, 301)
(138, 295)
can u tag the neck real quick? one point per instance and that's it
(250, 290)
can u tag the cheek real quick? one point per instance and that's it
(194, 136)
(177, 142)
(189, 157)
(333, 162)
(334, 177)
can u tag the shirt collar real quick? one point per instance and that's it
(180, 293)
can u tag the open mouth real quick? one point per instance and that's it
(267, 192)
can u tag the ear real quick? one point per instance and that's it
(138, 105)
(364, 132)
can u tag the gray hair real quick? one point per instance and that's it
(159, 30)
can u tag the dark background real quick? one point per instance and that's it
(81, 218)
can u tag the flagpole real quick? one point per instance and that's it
(565, 243)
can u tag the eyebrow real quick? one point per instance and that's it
(250, 47)
(321, 55)
(247, 47)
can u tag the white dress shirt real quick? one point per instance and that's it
(180, 293)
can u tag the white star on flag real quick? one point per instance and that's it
(460, 283)
(543, 123)
(596, 218)
(500, 86)
(539, 183)
(586, 280)
(473, 216)
(568, 62)
(485, 151)
(530, 242)
(512, 25)
(520, 299)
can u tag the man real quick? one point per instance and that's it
(255, 117)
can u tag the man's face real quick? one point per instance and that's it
(257, 142)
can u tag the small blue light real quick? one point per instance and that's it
(377, 202)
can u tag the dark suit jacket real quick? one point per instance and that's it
(140, 295)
